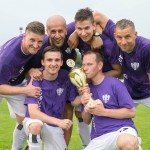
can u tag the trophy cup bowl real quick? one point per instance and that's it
(78, 78)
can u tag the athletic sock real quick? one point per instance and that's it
(19, 137)
(34, 142)
(84, 131)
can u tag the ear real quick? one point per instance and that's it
(136, 34)
(94, 26)
(42, 62)
(100, 65)
(61, 63)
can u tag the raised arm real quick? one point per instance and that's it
(100, 19)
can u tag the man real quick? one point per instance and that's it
(134, 56)
(86, 31)
(58, 34)
(112, 126)
(16, 59)
(44, 117)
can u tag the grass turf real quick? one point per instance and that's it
(7, 124)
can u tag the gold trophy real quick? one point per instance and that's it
(78, 77)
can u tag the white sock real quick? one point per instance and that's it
(84, 132)
(19, 137)
(34, 142)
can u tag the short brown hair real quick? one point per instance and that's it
(36, 27)
(98, 54)
(84, 14)
(52, 49)
(125, 23)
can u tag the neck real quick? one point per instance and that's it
(49, 77)
(98, 79)
(23, 49)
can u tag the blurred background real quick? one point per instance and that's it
(16, 14)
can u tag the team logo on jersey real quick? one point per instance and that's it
(68, 50)
(21, 70)
(60, 91)
(106, 98)
(125, 76)
(135, 65)
(40, 98)
(120, 59)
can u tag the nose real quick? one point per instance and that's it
(57, 35)
(123, 41)
(83, 32)
(35, 44)
(84, 67)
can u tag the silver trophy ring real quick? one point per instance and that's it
(70, 63)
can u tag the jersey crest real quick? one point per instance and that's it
(60, 91)
(106, 98)
(135, 65)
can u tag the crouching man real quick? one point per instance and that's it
(44, 116)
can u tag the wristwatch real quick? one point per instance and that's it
(97, 34)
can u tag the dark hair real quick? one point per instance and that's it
(98, 54)
(125, 23)
(51, 49)
(36, 27)
(84, 14)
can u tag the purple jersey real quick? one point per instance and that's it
(54, 95)
(113, 95)
(13, 62)
(110, 57)
(135, 65)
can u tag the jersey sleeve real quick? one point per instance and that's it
(109, 29)
(123, 97)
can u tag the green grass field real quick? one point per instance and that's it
(142, 122)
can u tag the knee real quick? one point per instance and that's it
(35, 128)
(127, 142)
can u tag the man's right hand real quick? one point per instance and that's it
(31, 90)
(65, 124)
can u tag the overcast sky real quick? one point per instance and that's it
(18, 13)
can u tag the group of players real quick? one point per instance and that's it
(34, 81)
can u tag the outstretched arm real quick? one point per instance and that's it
(29, 90)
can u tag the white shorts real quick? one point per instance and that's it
(16, 103)
(144, 101)
(109, 141)
(78, 108)
(53, 137)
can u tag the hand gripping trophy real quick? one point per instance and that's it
(78, 77)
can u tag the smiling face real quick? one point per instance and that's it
(56, 30)
(32, 42)
(52, 62)
(85, 30)
(125, 35)
(125, 39)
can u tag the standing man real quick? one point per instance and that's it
(16, 59)
(112, 126)
(134, 56)
(44, 117)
